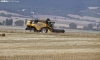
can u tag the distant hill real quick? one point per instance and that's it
(54, 7)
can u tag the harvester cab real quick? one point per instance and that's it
(42, 26)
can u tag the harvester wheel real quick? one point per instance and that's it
(44, 30)
(32, 30)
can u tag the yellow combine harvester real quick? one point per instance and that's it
(44, 26)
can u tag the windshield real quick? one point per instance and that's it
(51, 24)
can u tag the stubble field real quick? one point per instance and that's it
(51, 46)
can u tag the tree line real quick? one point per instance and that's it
(88, 27)
(9, 22)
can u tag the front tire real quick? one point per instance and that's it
(44, 30)
(32, 30)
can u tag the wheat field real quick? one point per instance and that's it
(21, 45)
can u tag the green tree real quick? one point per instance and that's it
(4, 22)
(72, 25)
(85, 27)
(90, 26)
(9, 21)
(1, 23)
(98, 26)
(19, 23)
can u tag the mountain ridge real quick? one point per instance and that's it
(53, 7)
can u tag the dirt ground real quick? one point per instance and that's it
(52, 46)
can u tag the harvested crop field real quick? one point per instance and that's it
(51, 46)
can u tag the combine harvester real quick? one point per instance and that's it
(44, 26)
